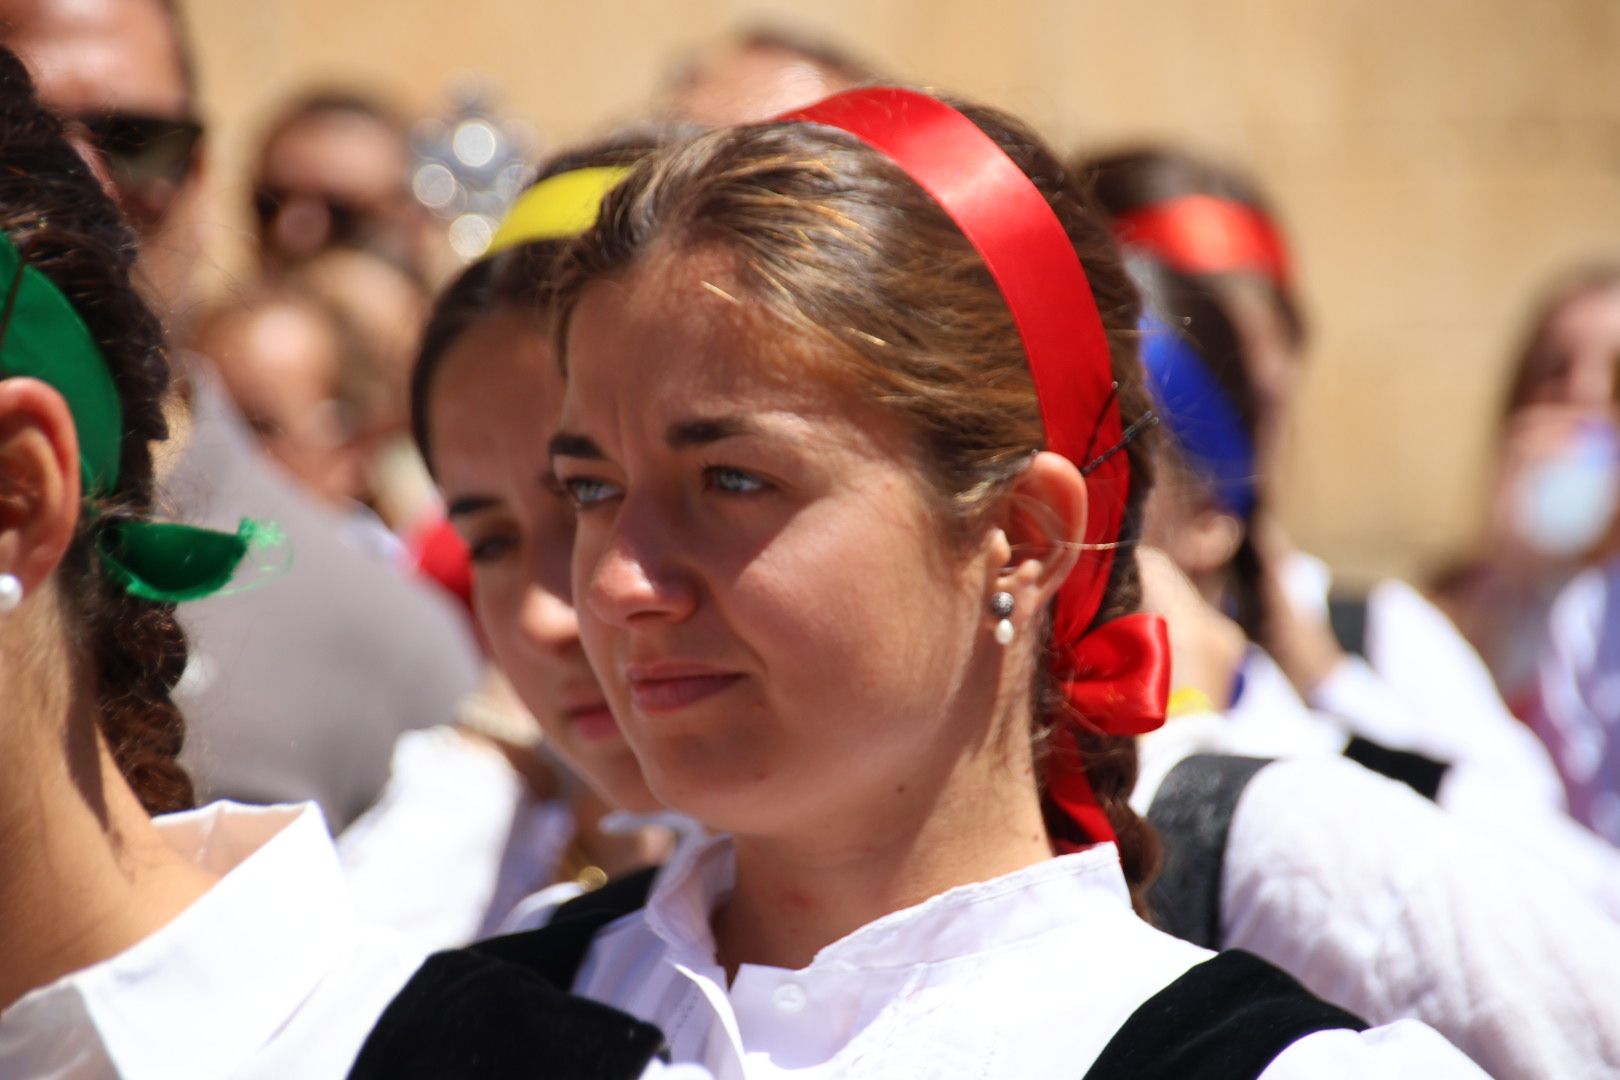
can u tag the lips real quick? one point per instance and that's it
(670, 687)
(588, 713)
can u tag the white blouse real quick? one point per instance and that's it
(1423, 688)
(268, 974)
(1270, 719)
(455, 843)
(1380, 902)
(1025, 975)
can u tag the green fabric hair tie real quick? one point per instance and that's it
(172, 563)
(42, 337)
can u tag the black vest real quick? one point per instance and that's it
(495, 1010)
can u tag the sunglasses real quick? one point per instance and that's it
(342, 224)
(148, 157)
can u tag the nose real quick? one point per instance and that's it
(637, 573)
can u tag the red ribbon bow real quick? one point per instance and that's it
(1116, 676)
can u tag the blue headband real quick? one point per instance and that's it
(1198, 413)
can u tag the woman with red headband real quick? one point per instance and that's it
(853, 444)
(1391, 666)
(1493, 943)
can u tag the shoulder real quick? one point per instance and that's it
(1308, 884)
(471, 1014)
(1291, 821)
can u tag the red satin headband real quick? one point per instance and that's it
(1206, 234)
(1117, 676)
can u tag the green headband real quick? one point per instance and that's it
(42, 337)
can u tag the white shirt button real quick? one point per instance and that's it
(790, 998)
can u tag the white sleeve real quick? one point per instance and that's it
(1439, 676)
(1563, 848)
(426, 859)
(1379, 902)
(1405, 1050)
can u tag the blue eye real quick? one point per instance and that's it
(732, 481)
(585, 492)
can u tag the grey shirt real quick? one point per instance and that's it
(298, 688)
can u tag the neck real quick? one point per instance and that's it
(87, 875)
(615, 854)
(795, 895)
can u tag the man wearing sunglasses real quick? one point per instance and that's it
(120, 73)
(296, 690)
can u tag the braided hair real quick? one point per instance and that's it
(131, 651)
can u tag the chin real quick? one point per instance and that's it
(721, 799)
(619, 782)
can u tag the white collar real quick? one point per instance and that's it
(959, 922)
(219, 980)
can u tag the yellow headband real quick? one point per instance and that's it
(557, 207)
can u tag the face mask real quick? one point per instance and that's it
(1565, 505)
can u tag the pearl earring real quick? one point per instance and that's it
(11, 593)
(1001, 606)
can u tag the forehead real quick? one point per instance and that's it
(494, 400)
(279, 349)
(1593, 319)
(99, 55)
(682, 323)
(338, 149)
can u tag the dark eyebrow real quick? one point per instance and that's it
(469, 504)
(564, 444)
(688, 434)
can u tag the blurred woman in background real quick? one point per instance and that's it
(1508, 930)
(1390, 665)
(478, 817)
(1556, 485)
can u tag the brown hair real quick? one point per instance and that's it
(1571, 286)
(841, 246)
(132, 651)
(321, 102)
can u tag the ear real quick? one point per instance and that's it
(39, 480)
(1205, 542)
(1041, 527)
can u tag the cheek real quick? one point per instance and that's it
(497, 603)
(577, 568)
(852, 606)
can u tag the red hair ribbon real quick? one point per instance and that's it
(1118, 676)
(1206, 234)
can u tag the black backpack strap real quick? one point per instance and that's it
(1192, 812)
(1422, 774)
(1224, 1019)
(1347, 616)
(556, 950)
(476, 1018)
